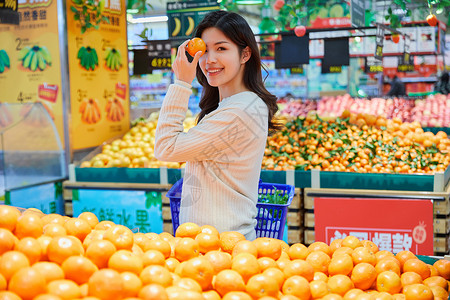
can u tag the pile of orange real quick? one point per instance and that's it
(51, 257)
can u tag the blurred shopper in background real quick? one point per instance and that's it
(397, 88)
(443, 85)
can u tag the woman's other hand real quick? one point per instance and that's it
(183, 69)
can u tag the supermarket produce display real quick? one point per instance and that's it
(69, 258)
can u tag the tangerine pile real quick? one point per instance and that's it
(47, 257)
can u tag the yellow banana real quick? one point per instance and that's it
(177, 29)
(191, 26)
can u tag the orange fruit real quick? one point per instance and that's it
(403, 256)
(196, 44)
(188, 230)
(27, 283)
(342, 250)
(62, 247)
(418, 291)
(186, 248)
(207, 242)
(90, 218)
(29, 225)
(335, 244)
(408, 278)
(171, 264)
(390, 282)
(363, 276)
(276, 274)
(261, 285)
(384, 254)
(211, 295)
(388, 264)
(443, 267)
(340, 284)
(160, 245)
(132, 284)
(297, 286)
(266, 262)
(351, 242)
(268, 247)
(433, 270)
(53, 219)
(104, 225)
(11, 262)
(44, 241)
(77, 227)
(352, 294)
(436, 281)
(383, 296)
(47, 297)
(78, 268)
(363, 254)
(7, 240)
(320, 246)
(246, 265)
(288, 297)
(319, 260)
(8, 217)
(31, 248)
(141, 240)
(94, 235)
(99, 252)
(439, 292)
(3, 283)
(341, 264)
(370, 245)
(153, 291)
(298, 251)
(199, 269)
(188, 284)
(245, 247)
(51, 271)
(228, 281)
(64, 288)
(417, 266)
(7, 295)
(120, 236)
(165, 236)
(318, 289)
(229, 239)
(156, 274)
(153, 257)
(219, 260)
(125, 260)
(210, 230)
(320, 276)
(299, 267)
(237, 296)
(53, 230)
(106, 284)
(332, 296)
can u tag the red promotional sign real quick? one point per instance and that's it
(392, 224)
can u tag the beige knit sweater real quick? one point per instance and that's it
(223, 155)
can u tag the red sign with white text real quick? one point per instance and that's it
(392, 224)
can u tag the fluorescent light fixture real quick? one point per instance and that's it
(153, 19)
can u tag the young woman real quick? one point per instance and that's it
(224, 151)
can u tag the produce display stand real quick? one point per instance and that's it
(32, 159)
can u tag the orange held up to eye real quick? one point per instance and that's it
(195, 45)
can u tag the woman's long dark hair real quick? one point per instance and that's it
(237, 30)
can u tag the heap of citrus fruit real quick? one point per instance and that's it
(47, 257)
(357, 143)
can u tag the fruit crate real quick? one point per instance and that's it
(271, 218)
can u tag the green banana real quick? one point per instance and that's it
(24, 52)
(46, 55)
(88, 58)
(34, 62)
(41, 61)
(27, 60)
(2, 66)
(81, 52)
(4, 56)
(95, 56)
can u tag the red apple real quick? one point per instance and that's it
(300, 30)
(395, 38)
(431, 20)
(278, 4)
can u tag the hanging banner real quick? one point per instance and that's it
(377, 220)
(379, 43)
(98, 68)
(30, 69)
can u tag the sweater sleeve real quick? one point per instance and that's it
(206, 141)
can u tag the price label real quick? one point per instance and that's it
(373, 65)
(405, 68)
(331, 69)
(297, 70)
(161, 63)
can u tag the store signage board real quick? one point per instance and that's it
(8, 12)
(392, 224)
(372, 65)
(157, 56)
(357, 13)
(184, 16)
(138, 210)
(98, 72)
(336, 55)
(292, 51)
(38, 79)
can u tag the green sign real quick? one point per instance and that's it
(184, 16)
(357, 13)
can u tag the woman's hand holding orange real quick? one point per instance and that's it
(183, 69)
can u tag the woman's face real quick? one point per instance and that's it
(222, 64)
